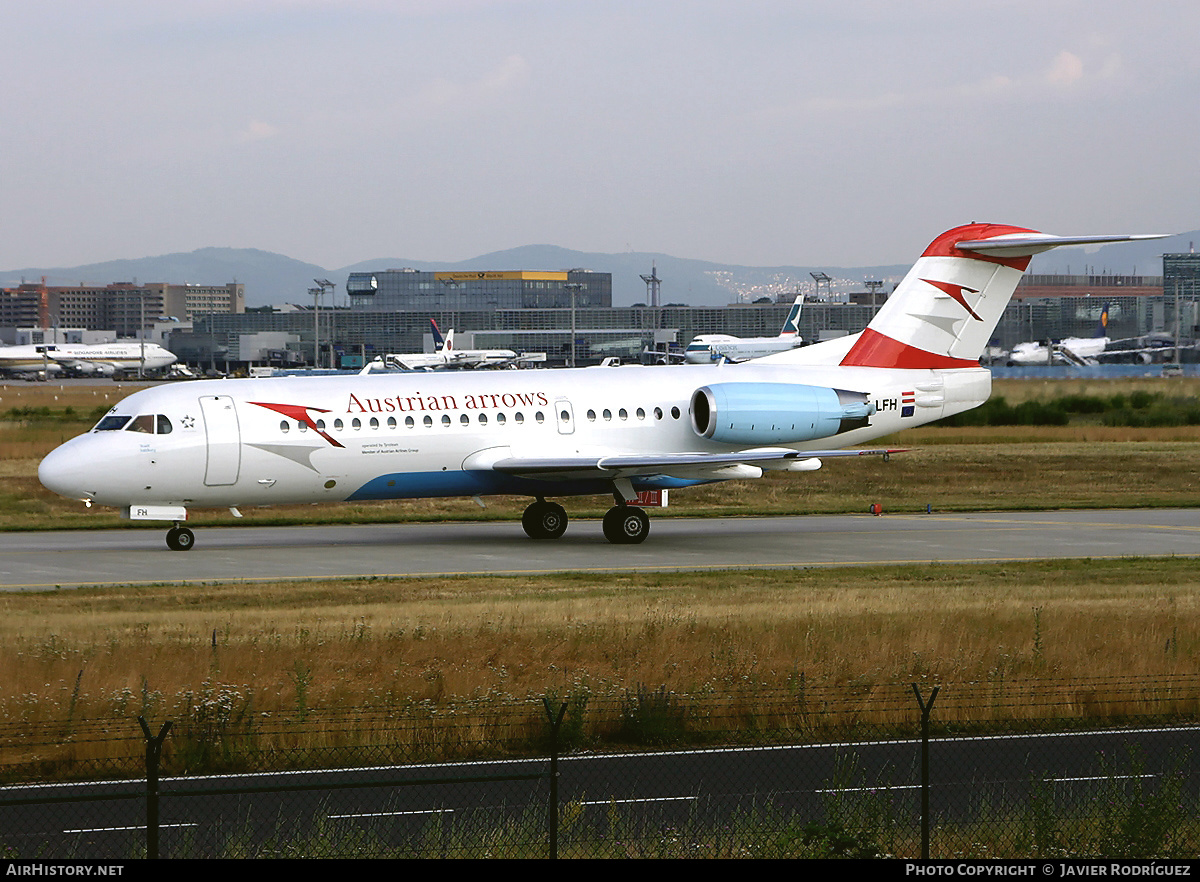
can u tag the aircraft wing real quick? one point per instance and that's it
(88, 365)
(689, 466)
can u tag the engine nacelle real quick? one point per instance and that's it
(776, 413)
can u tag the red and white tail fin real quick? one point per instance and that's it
(945, 310)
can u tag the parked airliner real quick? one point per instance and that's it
(706, 348)
(230, 443)
(1071, 350)
(445, 355)
(103, 359)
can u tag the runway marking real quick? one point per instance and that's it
(637, 801)
(391, 814)
(126, 829)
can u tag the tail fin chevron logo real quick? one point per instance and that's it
(955, 292)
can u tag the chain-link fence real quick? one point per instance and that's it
(1041, 769)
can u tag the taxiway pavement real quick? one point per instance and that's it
(65, 559)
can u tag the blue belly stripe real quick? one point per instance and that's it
(420, 485)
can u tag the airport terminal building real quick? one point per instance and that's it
(529, 311)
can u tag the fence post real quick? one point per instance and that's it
(153, 755)
(925, 711)
(552, 813)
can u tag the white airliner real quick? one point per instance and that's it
(706, 348)
(446, 356)
(102, 359)
(1070, 350)
(230, 443)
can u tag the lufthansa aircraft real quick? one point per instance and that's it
(1071, 350)
(229, 443)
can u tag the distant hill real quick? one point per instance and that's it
(273, 278)
(269, 278)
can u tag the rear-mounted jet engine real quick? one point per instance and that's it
(776, 413)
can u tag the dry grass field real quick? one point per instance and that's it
(114, 652)
(377, 646)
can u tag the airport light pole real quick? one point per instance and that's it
(317, 293)
(573, 287)
(142, 333)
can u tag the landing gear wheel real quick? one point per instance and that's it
(626, 525)
(544, 520)
(180, 539)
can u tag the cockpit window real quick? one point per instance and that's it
(164, 425)
(143, 423)
(111, 423)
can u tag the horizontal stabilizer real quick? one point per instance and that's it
(1027, 244)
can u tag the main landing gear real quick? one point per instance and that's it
(544, 520)
(180, 538)
(623, 524)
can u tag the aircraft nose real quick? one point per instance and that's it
(65, 472)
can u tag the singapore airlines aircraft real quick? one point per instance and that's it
(706, 348)
(230, 443)
(103, 359)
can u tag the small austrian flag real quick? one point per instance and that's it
(908, 401)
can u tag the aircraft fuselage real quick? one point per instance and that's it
(288, 440)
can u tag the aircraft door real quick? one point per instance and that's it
(564, 416)
(224, 440)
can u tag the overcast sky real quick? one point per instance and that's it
(757, 133)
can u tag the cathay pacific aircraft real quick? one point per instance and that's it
(706, 348)
(558, 433)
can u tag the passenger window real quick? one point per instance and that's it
(374, 423)
(500, 418)
(591, 415)
(391, 422)
(483, 419)
(284, 426)
(674, 413)
(408, 422)
(520, 418)
(143, 423)
(428, 422)
(445, 419)
(641, 414)
(540, 417)
(337, 425)
(623, 414)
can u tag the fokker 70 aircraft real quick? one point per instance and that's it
(230, 443)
